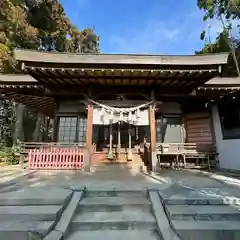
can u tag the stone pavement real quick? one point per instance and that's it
(184, 204)
(8, 173)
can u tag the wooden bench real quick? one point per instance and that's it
(198, 151)
(172, 150)
(187, 151)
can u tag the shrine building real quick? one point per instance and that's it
(121, 105)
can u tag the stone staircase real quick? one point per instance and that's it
(200, 218)
(114, 215)
(100, 162)
(31, 214)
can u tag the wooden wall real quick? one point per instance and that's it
(199, 128)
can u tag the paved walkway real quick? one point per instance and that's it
(180, 191)
(12, 178)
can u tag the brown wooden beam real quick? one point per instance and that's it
(89, 127)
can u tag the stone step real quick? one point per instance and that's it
(200, 200)
(13, 230)
(209, 230)
(114, 221)
(215, 213)
(30, 213)
(117, 193)
(116, 235)
(111, 204)
(35, 196)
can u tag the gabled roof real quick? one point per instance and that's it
(131, 59)
(17, 78)
(223, 81)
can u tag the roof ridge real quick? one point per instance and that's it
(119, 54)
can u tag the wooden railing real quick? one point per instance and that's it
(25, 147)
(71, 158)
(185, 148)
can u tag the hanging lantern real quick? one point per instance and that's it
(138, 113)
(121, 116)
(102, 112)
(111, 116)
(130, 116)
(134, 118)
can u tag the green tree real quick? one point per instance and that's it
(224, 11)
(39, 25)
(214, 8)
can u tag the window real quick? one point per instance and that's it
(72, 129)
(82, 130)
(229, 113)
(67, 129)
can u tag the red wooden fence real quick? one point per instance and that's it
(56, 158)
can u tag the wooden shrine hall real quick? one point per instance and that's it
(125, 108)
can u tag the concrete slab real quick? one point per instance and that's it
(113, 177)
(13, 175)
(114, 220)
(115, 201)
(198, 200)
(114, 217)
(113, 204)
(215, 213)
(13, 230)
(189, 178)
(54, 235)
(116, 235)
(201, 200)
(29, 213)
(116, 192)
(35, 196)
(64, 222)
(214, 230)
(162, 221)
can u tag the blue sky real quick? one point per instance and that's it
(142, 26)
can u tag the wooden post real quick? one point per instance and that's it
(119, 137)
(152, 128)
(110, 152)
(89, 134)
(22, 158)
(129, 156)
(152, 123)
(89, 126)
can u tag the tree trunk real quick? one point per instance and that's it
(18, 130)
(46, 129)
(37, 131)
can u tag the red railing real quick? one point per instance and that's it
(57, 158)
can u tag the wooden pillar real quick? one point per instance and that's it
(89, 133)
(152, 123)
(119, 137)
(110, 152)
(129, 156)
(89, 127)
